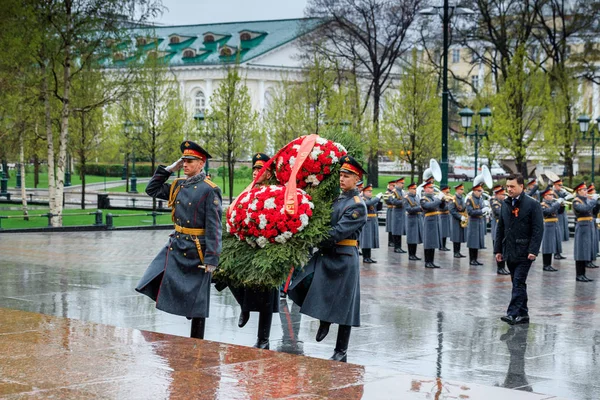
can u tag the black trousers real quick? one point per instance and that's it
(518, 274)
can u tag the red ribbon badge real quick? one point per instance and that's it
(515, 212)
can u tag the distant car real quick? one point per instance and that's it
(463, 168)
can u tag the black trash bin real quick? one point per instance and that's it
(103, 201)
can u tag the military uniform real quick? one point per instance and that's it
(369, 236)
(496, 206)
(457, 212)
(396, 201)
(563, 219)
(475, 228)
(414, 223)
(552, 241)
(177, 279)
(583, 247)
(445, 220)
(328, 288)
(388, 216)
(533, 190)
(432, 235)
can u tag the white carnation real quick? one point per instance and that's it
(250, 241)
(303, 221)
(315, 153)
(296, 147)
(341, 148)
(263, 221)
(247, 219)
(245, 198)
(252, 205)
(269, 204)
(228, 228)
(287, 234)
(292, 161)
(312, 179)
(334, 159)
(321, 140)
(262, 241)
(280, 239)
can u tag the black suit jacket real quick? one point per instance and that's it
(519, 233)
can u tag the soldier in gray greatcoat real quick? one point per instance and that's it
(583, 248)
(592, 196)
(533, 189)
(432, 238)
(369, 236)
(179, 277)
(477, 211)
(552, 241)
(396, 201)
(496, 206)
(445, 219)
(328, 288)
(459, 215)
(563, 220)
(388, 212)
(264, 300)
(414, 221)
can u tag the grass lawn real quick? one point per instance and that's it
(43, 184)
(73, 218)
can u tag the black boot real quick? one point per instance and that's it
(367, 257)
(457, 250)
(390, 239)
(323, 330)
(472, 257)
(341, 345)
(547, 260)
(398, 244)
(264, 330)
(244, 317)
(580, 272)
(428, 255)
(432, 257)
(559, 256)
(501, 268)
(197, 330)
(444, 248)
(591, 264)
(412, 252)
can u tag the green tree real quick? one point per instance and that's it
(232, 121)
(412, 118)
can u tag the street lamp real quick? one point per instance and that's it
(466, 118)
(584, 127)
(137, 127)
(446, 13)
(4, 181)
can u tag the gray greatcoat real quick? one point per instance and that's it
(174, 279)
(328, 288)
(396, 200)
(496, 206)
(388, 214)
(457, 210)
(369, 236)
(432, 234)
(445, 220)
(475, 229)
(552, 241)
(563, 218)
(583, 248)
(414, 219)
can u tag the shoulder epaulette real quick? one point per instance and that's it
(210, 183)
(356, 199)
(576, 200)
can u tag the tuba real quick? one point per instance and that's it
(433, 170)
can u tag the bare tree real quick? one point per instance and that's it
(369, 35)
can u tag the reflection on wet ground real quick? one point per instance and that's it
(424, 331)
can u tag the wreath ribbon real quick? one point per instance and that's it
(291, 197)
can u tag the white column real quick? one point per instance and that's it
(595, 100)
(580, 90)
(209, 92)
(261, 95)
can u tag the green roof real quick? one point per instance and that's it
(271, 34)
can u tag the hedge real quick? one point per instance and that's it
(116, 170)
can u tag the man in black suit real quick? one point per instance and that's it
(518, 240)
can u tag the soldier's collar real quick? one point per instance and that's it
(349, 193)
(196, 178)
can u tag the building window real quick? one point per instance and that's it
(474, 56)
(119, 56)
(199, 102)
(226, 51)
(209, 38)
(455, 56)
(189, 54)
(268, 99)
(475, 82)
(245, 36)
(174, 40)
(141, 41)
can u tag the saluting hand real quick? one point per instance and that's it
(176, 166)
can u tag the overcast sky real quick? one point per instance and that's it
(190, 12)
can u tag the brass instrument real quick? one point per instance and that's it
(434, 170)
(465, 223)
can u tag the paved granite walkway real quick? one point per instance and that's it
(424, 332)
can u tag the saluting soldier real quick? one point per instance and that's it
(496, 206)
(533, 189)
(583, 248)
(563, 220)
(458, 212)
(445, 218)
(369, 237)
(396, 201)
(388, 213)
(264, 300)
(552, 241)
(179, 277)
(476, 210)
(432, 235)
(593, 197)
(328, 288)
(414, 222)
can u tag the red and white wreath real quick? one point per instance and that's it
(316, 167)
(259, 216)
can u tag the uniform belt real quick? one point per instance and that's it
(432, 213)
(391, 206)
(189, 231)
(348, 242)
(550, 219)
(444, 212)
(585, 219)
(371, 215)
(475, 216)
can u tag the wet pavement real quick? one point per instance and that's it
(424, 334)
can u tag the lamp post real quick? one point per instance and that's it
(137, 127)
(584, 128)
(447, 12)
(466, 118)
(68, 172)
(4, 181)
(18, 176)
